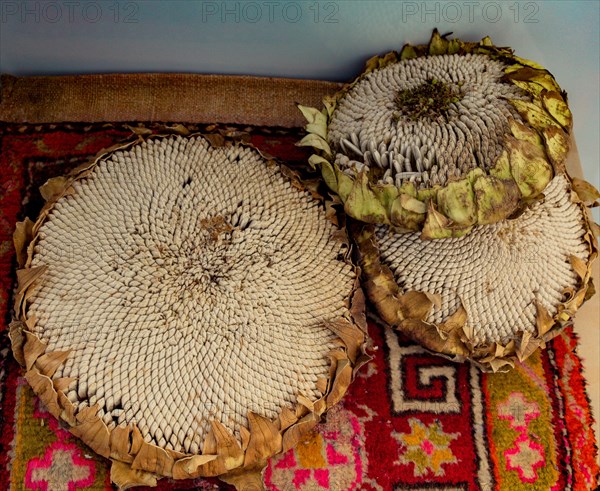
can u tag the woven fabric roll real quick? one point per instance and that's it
(187, 308)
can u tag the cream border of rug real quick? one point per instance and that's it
(193, 98)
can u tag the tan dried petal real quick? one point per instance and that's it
(125, 477)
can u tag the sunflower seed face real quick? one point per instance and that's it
(190, 283)
(434, 118)
(498, 271)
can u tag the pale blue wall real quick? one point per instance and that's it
(308, 39)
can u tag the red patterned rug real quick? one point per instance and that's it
(410, 420)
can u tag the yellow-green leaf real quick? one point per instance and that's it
(386, 194)
(556, 142)
(408, 52)
(486, 41)
(408, 188)
(437, 226)
(502, 167)
(513, 68)
(329, 176)
(532, 88)
(312, 114)
(558, 108)
(522, 132)
(362, 203)
(529, 167)
(319, 129)
(437, 45)
(412, 204)
(314, 160)
(426, 195)
(457, 202)
(403, 218)
(454, 46)
(529, 63)
(345, 184)
(527, 74)
(496, 198)
(329, 102)
(315, 141)
(535, 116)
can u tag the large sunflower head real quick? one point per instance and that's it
(179, 320)
(441, 137)
(495, 295)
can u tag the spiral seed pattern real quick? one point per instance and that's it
(497, 271)
(190, 283)
(368, 131)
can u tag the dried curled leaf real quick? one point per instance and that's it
(586, 192)
(21, 237)
(125, 477)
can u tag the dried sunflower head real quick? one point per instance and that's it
(495, 295)
(187, 309)
(441, 137)
(465, 143)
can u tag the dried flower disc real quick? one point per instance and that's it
(493, 295)
(441, 137)
(462, 131)
(191, 286)
(499, 271)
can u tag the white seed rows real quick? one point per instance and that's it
(191, 283)
(366, 130)
(497, 271)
